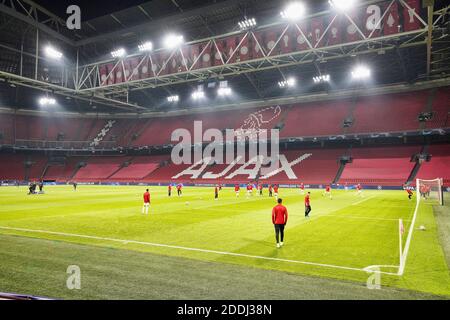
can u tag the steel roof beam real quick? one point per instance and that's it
(35, 23)
(56, 89)
(157, 22)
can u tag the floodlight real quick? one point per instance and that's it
(361, 73)
(46, 101)
(293, 11)
(173, 98)
(290, 82)
(224, 92)
(198, 95)
(322, 78)
(118, 53)
(146, 46)
(53, 53)
(247, 23)
(172, 41)
(342, 5)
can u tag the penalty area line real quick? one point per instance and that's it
(223, 253)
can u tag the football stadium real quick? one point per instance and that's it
(225, 150)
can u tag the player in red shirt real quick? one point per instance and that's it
(427, 191)
(249, 189)
(307, 205)
(146, 202)
(359, 190)
(270, 190)
(302, 188)
(409, 191)
(179, 189)
(237, 189)
(275, 191)
(260, 188)
(422, 191)
(279, 220)
(328, 192)
(169, 190)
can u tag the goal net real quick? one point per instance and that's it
(426, 190)
(430, 190)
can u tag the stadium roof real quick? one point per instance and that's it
(24, 23)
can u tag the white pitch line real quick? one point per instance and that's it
(360, 201)
(190, 249)
(369, 269)
(405, 252)
(364, 218)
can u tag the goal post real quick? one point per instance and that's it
(430, 190)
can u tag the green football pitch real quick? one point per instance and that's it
(194, 247)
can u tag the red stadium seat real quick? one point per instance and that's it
(379, 166)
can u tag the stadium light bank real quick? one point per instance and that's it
(342, 5)
(290, 82)
(361, 73)
(119, 53)
(145, 46)
(46, 101)
(173, 41)
(173, 99)
(293, 11)
(51, 52)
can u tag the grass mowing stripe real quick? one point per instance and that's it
(26, 268)
(192, 249)
(362, 200)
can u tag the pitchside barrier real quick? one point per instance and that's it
(193, 184)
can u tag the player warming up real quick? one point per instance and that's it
(169, 190)
(408, 191)
(328, 192)
(424, 191)
(270, 190)
(302, 188)
(260, 188)
(216, 192)
(146, 202)
(307, 205)
(275, 191)
(237, 189)
(279, 220)
(359, 190)
(180, 189)
(41, 187)
(249, 190)
(32, 188)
